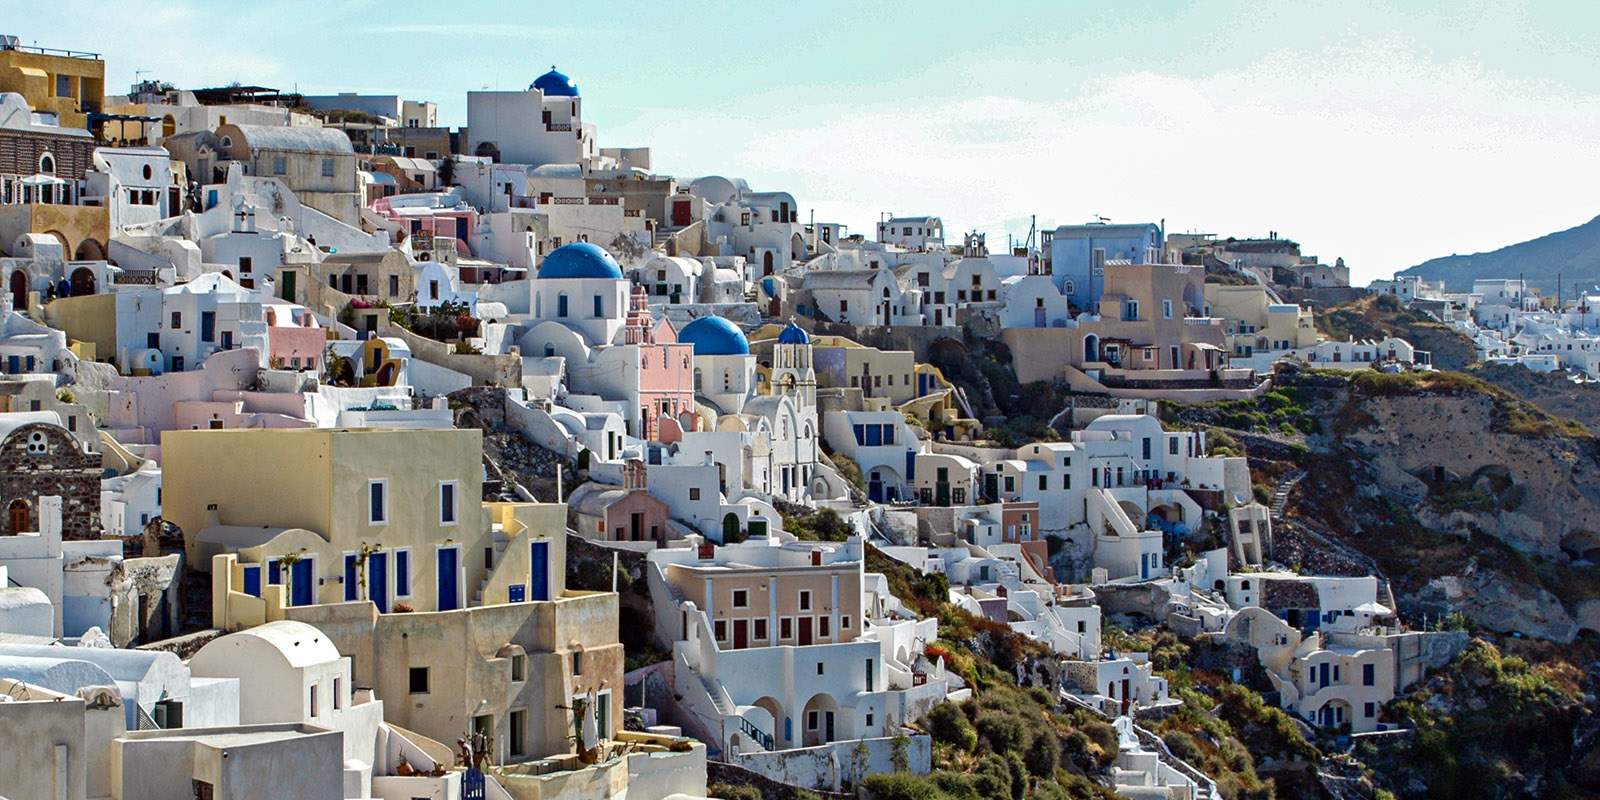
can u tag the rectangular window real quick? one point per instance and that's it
(1172, 446)
(1369, 710)
(599, 306)
(377, 502)
(811, 720)
(577, 663)
(419, 680)
(394, 285)
(1166, 309)
(805, 599)
(447, 503)
(1369, 676)
(741, 598)
(844, 305)
(208, 326)
(844, 623)
(786, 628)
(1146, 448)
(819, 667)
(313, 700)
(721, 630)
(761, 628)
(177, 320)
(338, 693)
(822, 625)
(327, 167)
(1044, 482)
(519, 668)
(1066, 481)
(280, 165)
(352, 581)
(694, 493)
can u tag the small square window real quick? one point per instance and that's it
(694, 493)
(741, 598)
(844, 622)
(419, 680)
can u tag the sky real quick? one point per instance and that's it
(1384, 133)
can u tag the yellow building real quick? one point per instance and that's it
(379, 538)
(318, 516)
(1255, 323)
(66, 83)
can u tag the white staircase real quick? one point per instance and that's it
(500, 543)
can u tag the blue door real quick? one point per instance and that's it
(303, 578)
(449, 563)
(252, 581)
(539, 571)
(378, 581)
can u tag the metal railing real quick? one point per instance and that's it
(749, 728)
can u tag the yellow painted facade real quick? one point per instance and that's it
(66, 86)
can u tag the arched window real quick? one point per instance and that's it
(47, 164)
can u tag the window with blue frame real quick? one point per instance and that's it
(402, 573)
(352, 577)
(252, 581)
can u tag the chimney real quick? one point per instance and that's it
(212, 517)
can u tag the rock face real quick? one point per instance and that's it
(1504, 606)
(1536, 494)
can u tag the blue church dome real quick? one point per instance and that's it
(794, 334)
(715, 336)
(580, 260)
(554, 84)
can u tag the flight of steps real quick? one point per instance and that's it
(500, 542)
(1280, 501)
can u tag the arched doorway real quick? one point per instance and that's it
(90, 250)
(17, 517)
(83, 282)
(774, 710)
(730, 528)
(169, 126)
(819, 721)
(1091, 348)
(766, 263)
(19, 290)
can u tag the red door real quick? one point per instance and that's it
(680, 213)
(741, 634)
(1125, 702)
(805, 631)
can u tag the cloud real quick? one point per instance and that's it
(1369, 148)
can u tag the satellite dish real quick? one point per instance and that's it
(1238, 499)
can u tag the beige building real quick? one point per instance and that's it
(1254, 322)
(1149, 325)
(317, 164)
(454, 607)
(764, 605)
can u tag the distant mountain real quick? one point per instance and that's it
(1574, 254)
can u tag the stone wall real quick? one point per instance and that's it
(53, 464)
(734, 775)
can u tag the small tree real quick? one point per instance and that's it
(900, 751)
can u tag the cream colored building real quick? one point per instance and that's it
(1254, 322)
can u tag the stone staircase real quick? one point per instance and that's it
(500, 543)
(1322, 536)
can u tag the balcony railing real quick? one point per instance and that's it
(565, 127)
(630, 212)
(567, 201)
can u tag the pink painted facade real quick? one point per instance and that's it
(227, 415)
(637, 517)
(666, 372)
(293, 336)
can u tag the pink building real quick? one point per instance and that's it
(296, 340)
(666, 374)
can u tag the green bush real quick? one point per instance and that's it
(1182, 745)
(724, 791)
(1002, 732)
(900, 786)
(946, 723)
(1043, 755)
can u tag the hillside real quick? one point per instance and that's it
(1574, 254)
(1378, 317)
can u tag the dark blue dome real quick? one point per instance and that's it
(580, 260)
(554, 84)
(794, 334)
(715, 336)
